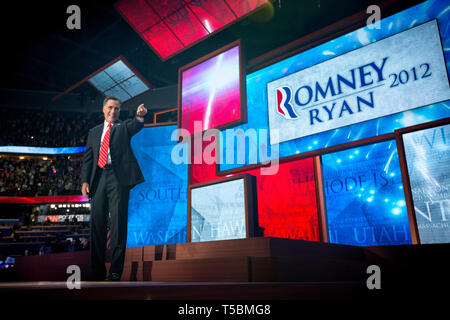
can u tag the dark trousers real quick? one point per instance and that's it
(109, 198)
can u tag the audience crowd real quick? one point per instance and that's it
(37, 177)
(45, 128)
(60, 241)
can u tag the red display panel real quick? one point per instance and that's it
(212, 91)
(179, 19)
(166, 8)
(182, 22)
(241, 7)
(287, 206)
(138, 14)
(212, 14)
(161, 36)
(199, 170)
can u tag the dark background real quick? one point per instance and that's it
(41, 57)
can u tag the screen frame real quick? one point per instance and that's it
(158, 113)
(242, 85)
(251, 203)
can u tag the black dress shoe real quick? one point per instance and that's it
(113, 277)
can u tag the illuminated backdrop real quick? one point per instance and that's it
(428, 159)
(210, 92)
(364, 196)
(218, 211)
(257, 87)
(287, 206)
(157, 211)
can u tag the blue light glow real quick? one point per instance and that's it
(157, 211)
(118, 80)
(40, 150)
(357, 198)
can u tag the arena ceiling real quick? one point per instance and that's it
(41, 57)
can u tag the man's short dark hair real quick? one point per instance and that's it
(111, 98)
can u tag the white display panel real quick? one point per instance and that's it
(218, 211)
(428, 157)
(399, 73)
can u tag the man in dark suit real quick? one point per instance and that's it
(109, 171)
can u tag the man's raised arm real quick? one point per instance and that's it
(135, 126)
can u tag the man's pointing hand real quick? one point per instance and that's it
(141, 111)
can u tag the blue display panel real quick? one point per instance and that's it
(41, 150)
(257, 91)
(364, 196)
(428, 158)
(218, 211)
(157, 211)
(118, 80)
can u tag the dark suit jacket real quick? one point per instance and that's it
(123, 161)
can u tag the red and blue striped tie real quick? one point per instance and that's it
(104, 148)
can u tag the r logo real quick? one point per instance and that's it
(284, 107)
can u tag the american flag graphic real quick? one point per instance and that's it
(108, 236)
(108, 240)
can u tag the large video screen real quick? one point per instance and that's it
(211, 91)
(257, 97)
(157, 208)
(290, 214)
(170, 26)
(364, 196)
(428, 158)
(398, 73)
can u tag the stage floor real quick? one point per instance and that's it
(137, 290)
